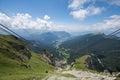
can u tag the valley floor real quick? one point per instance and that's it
(78, 75)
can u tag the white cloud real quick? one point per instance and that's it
(81, 14)
(25, 21)
(78, 11)
(111, 24)
(4, 18)
(113, 2)
(75, 4)
(94, 10)
(46, 17)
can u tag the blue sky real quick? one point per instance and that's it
(68, 15)
(57, 9)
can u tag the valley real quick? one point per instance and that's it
(64, 58)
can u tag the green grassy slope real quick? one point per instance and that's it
(87, 63)
(80, 63)
(29, 66)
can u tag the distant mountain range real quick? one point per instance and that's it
(49, 37)
(47, 40)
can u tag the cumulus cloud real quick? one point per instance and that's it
(113, 22)
(81, 14)
(113, 2)
(46, 17)
(75, 4)
(110, 24)
(25, 21)
(21, 22)
(78, 11)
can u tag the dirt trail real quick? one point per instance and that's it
(79, 75)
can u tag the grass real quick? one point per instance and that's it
(11, 68)
(80, 63)
(118, 79)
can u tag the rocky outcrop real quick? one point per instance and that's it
(27, 53)
(21, 48)
(88, 63)
(25, 65)
(118, 74)
(48, 57)
(106, 72)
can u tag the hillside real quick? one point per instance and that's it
(18, 62)
(104, 47)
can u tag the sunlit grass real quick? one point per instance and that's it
(11, 69)
(80, 63)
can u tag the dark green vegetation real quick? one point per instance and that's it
(104, 47)
(18, 62)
